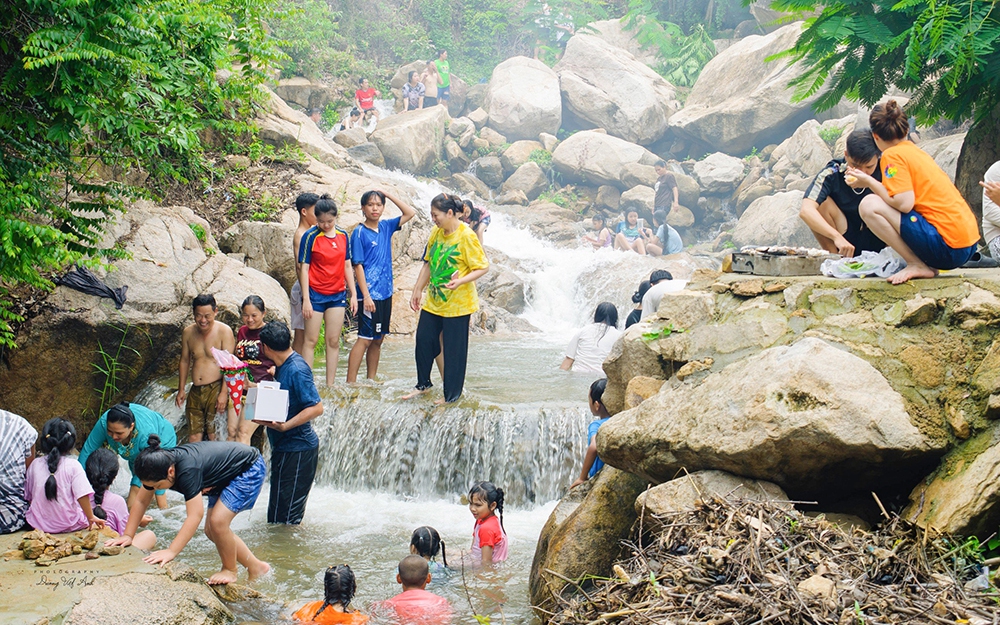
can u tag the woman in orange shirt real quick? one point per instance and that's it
(916, 209)
(339, 587)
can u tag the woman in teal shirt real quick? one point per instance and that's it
(125, 430)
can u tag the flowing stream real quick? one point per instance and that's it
(388, 466)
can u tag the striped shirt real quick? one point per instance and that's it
(16, 438)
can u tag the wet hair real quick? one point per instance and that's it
(204, 300)
(275, 335)
(58, 439)
(660, 275)
(660, 163)
(361, 81)
(447, 203)
(475, 214)
(305, 201)
(410, 76)
(368, 195)
(339, 586)
(153, 462)
(607, 314)
(490, 494)
(660, 217)
(413, 571)
(121, 413)
(325, 205)
(427, 542)
(640, 292)
(598, 217)
(889, 122)
(355, 112)
(597, 390)
(102, 469)
(253, 300)
(861, 146)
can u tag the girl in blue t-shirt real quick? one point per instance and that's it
(591, 463)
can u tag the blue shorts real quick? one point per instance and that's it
(444, 93)
(374, 326)
(321, 302)
(242, 492)
(925, 241)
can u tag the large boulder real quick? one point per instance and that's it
(465, 183)
(529, 178)
(367, 153)
(638, 199)
(304, 93)
(265, 246)
(518, 154)
(945, 152)
(615, 33)
(606, 86)
(501, 287)
(489, 170)
(814, 419)
(583, 534)
(597, 158)
(774, 220)
(524, 99)
(412, 141)
(351, 137)
(805, 152)
(741, 100)
(280, 125)
(548, 221)
(719, 173)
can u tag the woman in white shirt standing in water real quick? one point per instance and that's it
(592, 344)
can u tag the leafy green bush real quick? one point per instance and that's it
(199, 232)
(830, 134)
(542, 157)
(681, 57)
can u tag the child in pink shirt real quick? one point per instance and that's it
(489, 541)
(416, 606)
(57, 489)
(102, 469)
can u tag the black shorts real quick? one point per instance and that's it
(374, 326)
(430, 101)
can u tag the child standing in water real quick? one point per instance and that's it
(250, 350)
(56, 488)
(327, 282)
(304, 204)
(339, 587)
(591, 462)
(426, 543)
(102, 469)
(371, 255)
(231, 474)
(489, 541)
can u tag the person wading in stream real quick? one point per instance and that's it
(453, 260)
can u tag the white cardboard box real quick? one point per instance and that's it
(266, 402)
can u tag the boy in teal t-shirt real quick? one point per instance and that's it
(444, 70)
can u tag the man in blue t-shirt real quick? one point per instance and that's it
(371, 255)
(294, 444)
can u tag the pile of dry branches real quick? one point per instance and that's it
(751, 562)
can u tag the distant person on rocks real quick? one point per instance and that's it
(371, 256)
(339, 587)
(413, 93)
(636, 315)
(915, 209)
(591, 462)
(102, 469)
(316, 115)
(352, 120)
(208, 395)
(17, 450)
(294, 444)
(477, 218)
(453, 260)
(124, 429)
(230, 473)
(305, 204)
(666, 198)
(592, 344)
(364, 98)
(632, 234)
(599, 235)
(830, 205)
(991, 209)
(661, 282)
(444, 72)
(415, 605)
(431, 81)
(666, 241)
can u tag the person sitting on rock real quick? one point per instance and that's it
(666, 241)
(364, 98)
(991, 209)
(662, 282)
(830, 205)
(102, 469)
(17, 450)
(600, 236)
(352, 120)
(591, 462)
(916, 209)
(636, 314)
(631, 235)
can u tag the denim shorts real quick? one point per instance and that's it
(321, 302)
(925, 241)
(242, 492)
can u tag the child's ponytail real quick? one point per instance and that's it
(339, 586)
(490, 494)
(102, 469)
(58, 438)
(427, 542)
(153, 462)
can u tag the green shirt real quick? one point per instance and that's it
(445, 70)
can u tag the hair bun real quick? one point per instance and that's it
(325, 196)
(153, 442)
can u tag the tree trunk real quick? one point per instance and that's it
(980, 150)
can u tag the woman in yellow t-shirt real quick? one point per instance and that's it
(339, 587)
(453, 260)
(916, 209)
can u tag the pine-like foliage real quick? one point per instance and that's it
(945, 52)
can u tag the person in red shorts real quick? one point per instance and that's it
(364, 99)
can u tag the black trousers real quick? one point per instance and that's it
(454, 333)
(292, 474)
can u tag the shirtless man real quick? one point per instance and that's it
(305, 204)
(208, 395)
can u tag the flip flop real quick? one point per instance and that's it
(978, 261)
